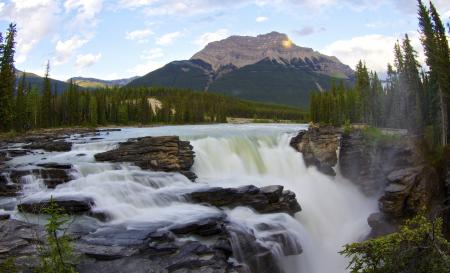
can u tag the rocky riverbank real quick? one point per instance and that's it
(213, 243)
(393, 168)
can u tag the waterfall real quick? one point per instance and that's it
(334, 211)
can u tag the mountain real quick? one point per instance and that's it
(38, 81)
(97, 83)
(267, 68)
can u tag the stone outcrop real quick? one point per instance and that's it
(393, 167)
(409, 190)
(51, 146)
(269, 199)
(166, 246)
(368, 162)
(319, 147)
(165, 153)
(70, 204)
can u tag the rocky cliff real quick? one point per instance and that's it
(394, 169)
(240, 51)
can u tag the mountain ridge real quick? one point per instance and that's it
(276, 66)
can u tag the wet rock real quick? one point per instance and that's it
(202, 227)
(9, 190)
(368, 162)
(51, 146)
(19, 240)
(54, 165)
(166, 153)
(381, 225)
(71, 205)
(409, 190)
(52, 174)
(270, 199)
(109, 130)
(55, 177)
(257, 253)
(318, 146)
(100, 252)
(17, 152)
(4, 216)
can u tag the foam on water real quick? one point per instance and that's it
(334, 211)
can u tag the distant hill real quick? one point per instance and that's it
(38, 81)
(266, 68)
(98, 83)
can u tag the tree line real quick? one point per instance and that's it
(24, 107)
(410, 98)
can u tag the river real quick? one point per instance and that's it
(334, 212)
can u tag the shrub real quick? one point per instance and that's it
(418, 247)
(56, 256)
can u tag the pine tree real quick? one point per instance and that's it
(414, 87)
(93, 118)
(46, 102)
(432, 42)
(20, 118)
(8, 79)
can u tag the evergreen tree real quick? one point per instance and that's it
(433, 43)
(20, 118)
(93, 118)
(8, 79)
(46, 102)
(413, 87)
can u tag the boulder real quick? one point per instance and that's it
(409, 190)
(381, 225)
(52, 174)
(318, 146)
(9, 190)
(70, 205)
(166, 153)
(51, 146)
(54, 177)
(272, 199)
(368, 162)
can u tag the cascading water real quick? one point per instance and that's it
(333, 212)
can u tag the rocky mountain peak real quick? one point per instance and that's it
(240, 51)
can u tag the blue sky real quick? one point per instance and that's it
(111, 39)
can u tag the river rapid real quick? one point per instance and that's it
(334, 211)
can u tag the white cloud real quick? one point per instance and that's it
(87, 60)
(260, 19)
(152, 54)
(139, 35)
(168, 38)
(1, 6)
(144, 68)
(65, 49)
(209, 37)
(375, 50)
(86, 11)
(35, 19)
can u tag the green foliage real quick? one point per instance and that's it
(57, 255)
(8, 79)
(375, 135)
(8, 266)
(419, 247)
(347, 127)
(20, 117)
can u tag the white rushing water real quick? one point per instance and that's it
(334, 211)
